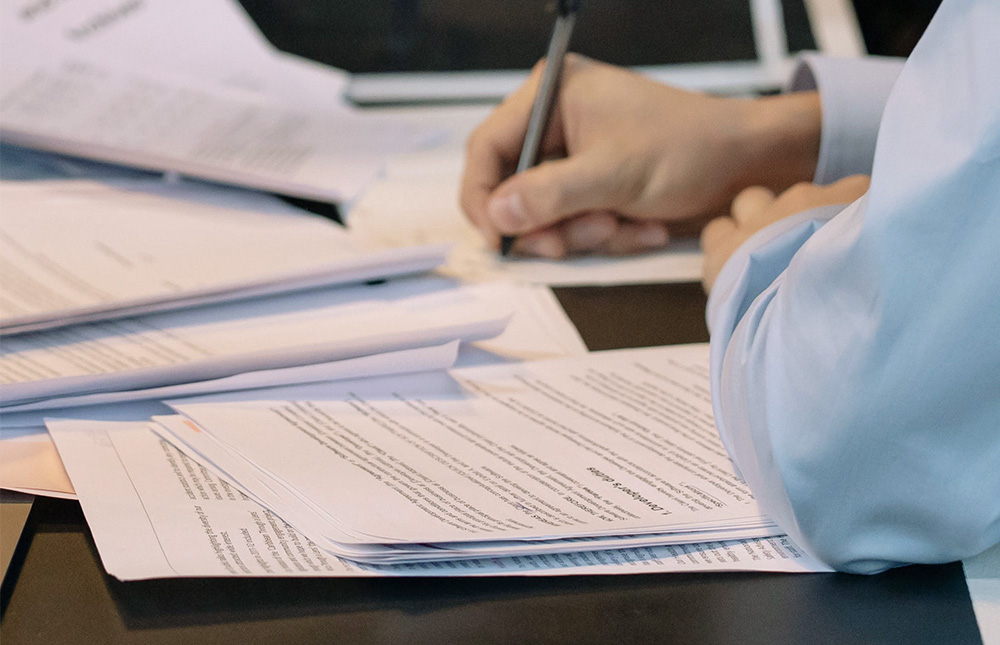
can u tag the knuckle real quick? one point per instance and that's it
(574, 62)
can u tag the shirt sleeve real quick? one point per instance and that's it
(855, 361)
(853, 93)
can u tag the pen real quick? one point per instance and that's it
(546, 95)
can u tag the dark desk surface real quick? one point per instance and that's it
(63, 595)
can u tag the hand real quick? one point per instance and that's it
(628, 159)
(757, 207)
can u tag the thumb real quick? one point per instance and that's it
(552, 191)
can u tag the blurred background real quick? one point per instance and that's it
(436, 35)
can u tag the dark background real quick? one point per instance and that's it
(424, 35)
(893, 27)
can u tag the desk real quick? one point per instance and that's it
(63, 595)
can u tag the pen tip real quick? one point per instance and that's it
(506, 243)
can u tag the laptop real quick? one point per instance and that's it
(413, 51)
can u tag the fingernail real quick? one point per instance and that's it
(543, 247)
(653, 237)
(507, 213)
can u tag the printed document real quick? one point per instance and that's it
(538, 329)
(608, 444)
(212, 41)
(156, 513)
(206, 344)
(60, 100)
(73, 251)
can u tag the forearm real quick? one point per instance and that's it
(780, 141)
(823, 130)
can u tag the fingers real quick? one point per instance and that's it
(589, 232)
(555, 190)
(634, 237)
(599, 232)
(719, 239)
(544, 243)
(804, 196)
(749, 202)
(492, 150)
(719, 229)
(848, 189)
(604, 233)
(757, 207)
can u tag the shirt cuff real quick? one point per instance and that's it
(751, 269)
(853, 93)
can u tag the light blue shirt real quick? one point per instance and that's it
(856, 351)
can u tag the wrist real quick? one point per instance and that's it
(780, 138)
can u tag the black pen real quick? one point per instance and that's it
(545, 98)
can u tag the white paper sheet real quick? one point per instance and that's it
(314, 522)
(538, 329)
(155, 513)
(199, 345)
(407, 208)
(109, 107)
(527, 457)
(72, 251)
(29, 461)
(210, 40)
(406, 361)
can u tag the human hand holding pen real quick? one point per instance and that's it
(628, 161)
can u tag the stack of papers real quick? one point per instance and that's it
(211, 100)
(74, 251)
(538, 329)
(223, 410)
(600, 464)
(228, 348)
